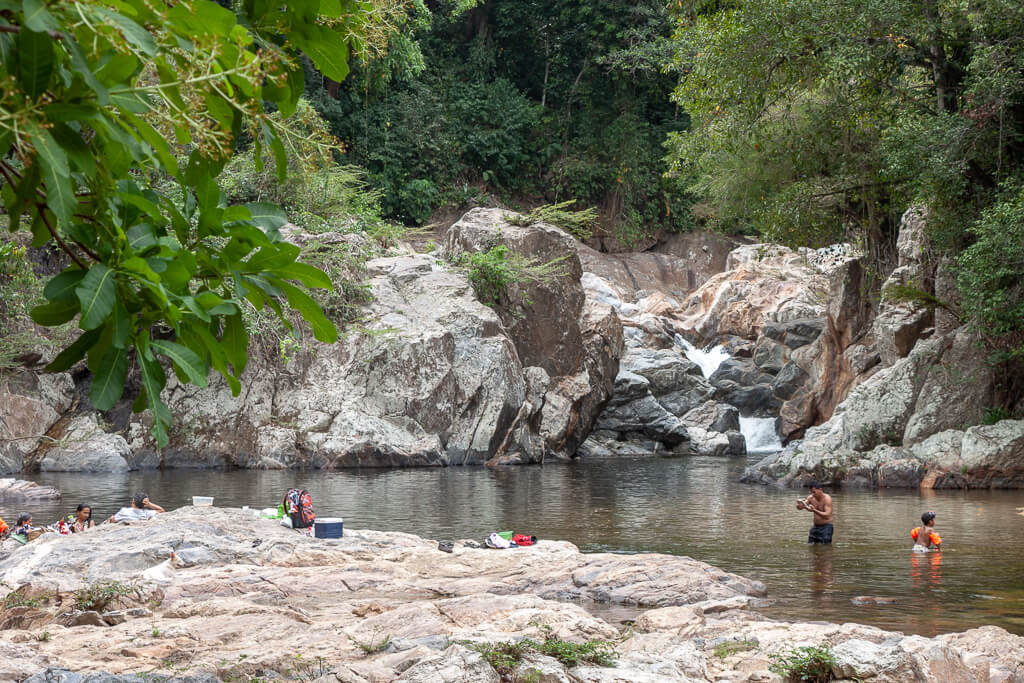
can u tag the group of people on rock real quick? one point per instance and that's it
(925, 537)
(140, 507)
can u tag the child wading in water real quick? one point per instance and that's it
(926, 537)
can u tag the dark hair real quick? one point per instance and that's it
(139, 498)
(23, 517)
(927, 517)
(82, 506)
(814, 485)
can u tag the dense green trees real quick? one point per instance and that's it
(818, 120)
(534, 102)
(97, 100)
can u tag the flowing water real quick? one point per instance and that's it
(686, 506)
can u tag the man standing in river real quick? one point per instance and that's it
(820, 503)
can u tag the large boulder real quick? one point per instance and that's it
(30, 405)
(85, 447)
(576, 339)
(431, 378)
(20, 490)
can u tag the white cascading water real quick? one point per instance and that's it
(708, 361)
(759, 432)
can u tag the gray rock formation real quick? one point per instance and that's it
(900, 323)
(384, 606)
(30, 405)
(432, 380)
(85, 447)
(19, 490)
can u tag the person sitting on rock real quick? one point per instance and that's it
(83, 518)
(141, 509)
(24, 524)
(925, 537)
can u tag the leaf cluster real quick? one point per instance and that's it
(116, 119)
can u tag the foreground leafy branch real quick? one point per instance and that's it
(99, 99)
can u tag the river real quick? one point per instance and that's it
(684, 506)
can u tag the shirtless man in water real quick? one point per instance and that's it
(820, 503)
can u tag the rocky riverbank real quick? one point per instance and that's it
(241, 599)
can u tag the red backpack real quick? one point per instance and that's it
(298, 505)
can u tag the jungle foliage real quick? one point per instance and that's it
(816, 121)
(526, 103)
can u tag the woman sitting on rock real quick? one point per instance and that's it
(24, 524)
(83, 518)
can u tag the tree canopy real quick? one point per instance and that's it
(820, 120)
(116, 117)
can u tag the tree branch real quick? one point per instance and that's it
(63, 245)
(7, 28)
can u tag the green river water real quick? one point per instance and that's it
(683, 506)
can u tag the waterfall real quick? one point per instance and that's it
(758, 431)
(708, 360)
(760, 434)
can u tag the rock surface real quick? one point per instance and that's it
(903, 427)
(85, 447)
(18, 489)
(30, 405)
(380, 606)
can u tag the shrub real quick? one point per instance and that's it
(492, 271)
(579, 224)
(98, 596)
(806, 664)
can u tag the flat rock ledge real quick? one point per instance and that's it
(18, 489)
(241, 599)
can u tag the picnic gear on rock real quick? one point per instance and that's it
(298, 506)
(496, 541)
(446, 546)
(523, 539)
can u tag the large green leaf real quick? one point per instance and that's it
(235, 340)
(62, 286)
(37, 18)
(153, 380)
(53, 163)
(74, 353)
(184, 358)
(268, 216)
(35, 61)
(109, 379)
(96, 294)
(326, 48)
(323, 329)
(55, 313)
(306, 274)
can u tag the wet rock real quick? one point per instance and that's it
(752, 401)
(795, 333)
(30, 405)
(789, 380)
(769, 356)
(714, 416)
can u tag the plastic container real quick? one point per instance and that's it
(328, 527)
(202, 501)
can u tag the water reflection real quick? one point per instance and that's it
(685, 506)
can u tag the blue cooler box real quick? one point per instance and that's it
(328, 527)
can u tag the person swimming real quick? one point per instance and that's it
(925, 537)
